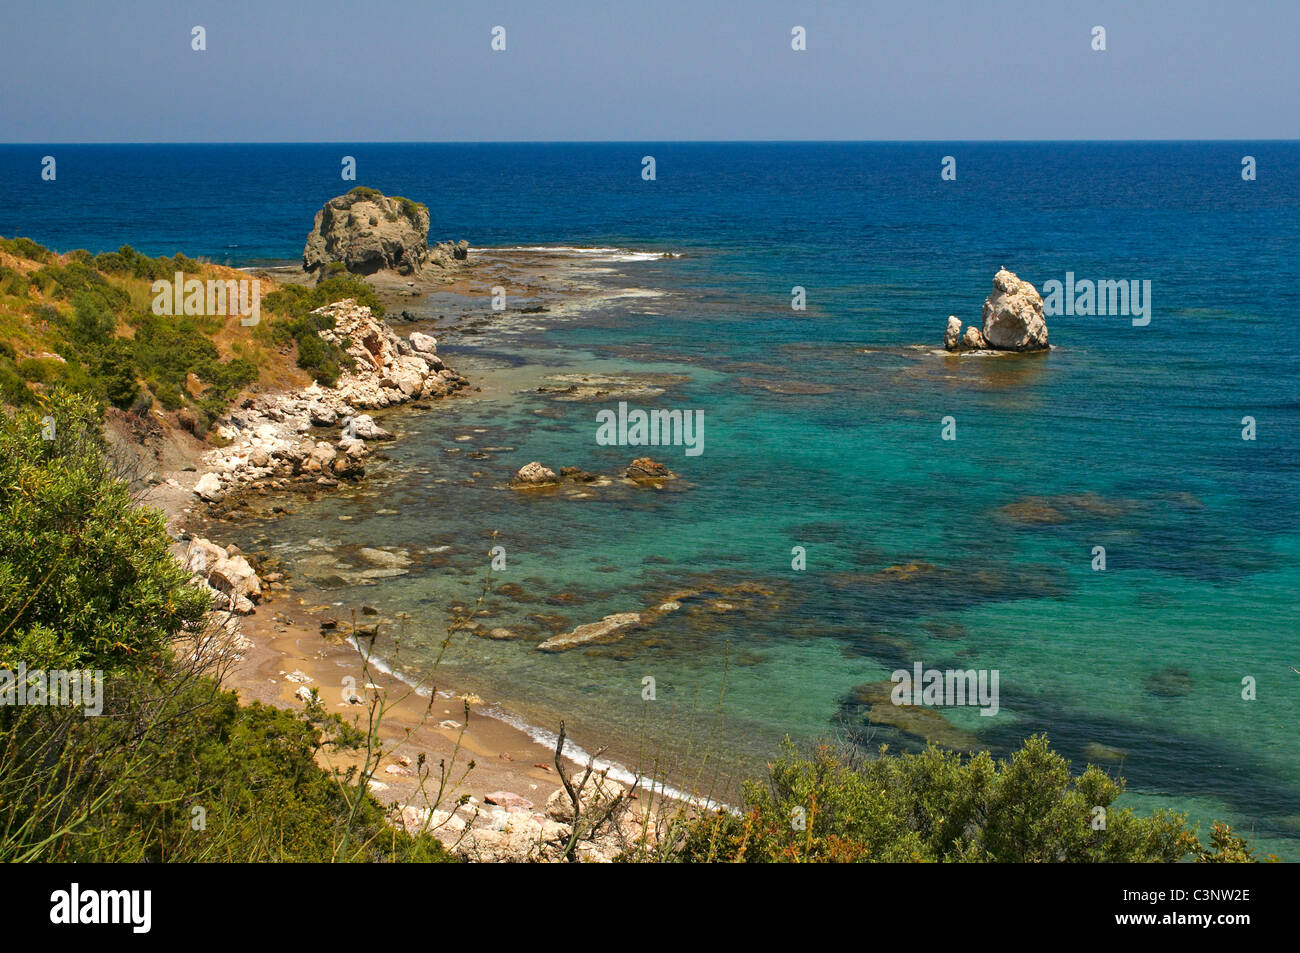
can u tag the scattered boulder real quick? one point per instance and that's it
(643, 468)
(209, 488)
(973, 340)
(229, 575)
(534, 475)
(447, 254)
(365, 428)
(952, 335)
(423, 343)
(608, 629)
(508, 800)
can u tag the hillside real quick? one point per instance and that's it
(106, 326)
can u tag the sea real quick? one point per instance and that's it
(1113, 527)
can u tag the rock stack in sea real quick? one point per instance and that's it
(366, 232)
(1012, 320)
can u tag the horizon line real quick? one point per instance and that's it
(557, 142)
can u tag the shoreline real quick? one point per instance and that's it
(283, 651)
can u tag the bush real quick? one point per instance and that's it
(12, 282)
(85, 574)
(182, 773)
(87, 582)
(167, 350)
(26, 248)
(67, 280)
(941, 806)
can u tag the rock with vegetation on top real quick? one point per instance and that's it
(366, 231)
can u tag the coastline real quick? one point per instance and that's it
(282, 648)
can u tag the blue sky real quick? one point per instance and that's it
(664, 70)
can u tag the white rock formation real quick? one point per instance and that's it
(1013, 315)
(1013, 320)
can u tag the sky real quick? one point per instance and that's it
(659, 70)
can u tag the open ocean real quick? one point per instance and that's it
(822, 430)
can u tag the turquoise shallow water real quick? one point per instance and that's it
(1123, 437)
(1146, 657)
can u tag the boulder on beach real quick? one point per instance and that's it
(366, 231)
(1012, 320)
(224, 572)
(209, 489)
(423, 343)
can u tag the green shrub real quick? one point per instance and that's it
(13, 390)
(66, 281)
(941, 806)
(26, 248)
(174, 769)
(13, 282)
(167, 350)
(86, 575)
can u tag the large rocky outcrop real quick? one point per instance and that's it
(389, 370)
(367, 231)
(1013, 320)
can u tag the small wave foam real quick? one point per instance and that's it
(547, 739)
(589, 253)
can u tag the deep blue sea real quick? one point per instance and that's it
(823, 430)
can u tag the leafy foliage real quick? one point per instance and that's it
(938, 805)
(86, 579)
(87, 582)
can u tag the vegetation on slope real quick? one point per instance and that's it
(86, 322)
(173, 768)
